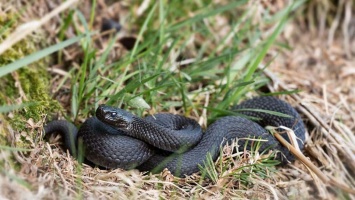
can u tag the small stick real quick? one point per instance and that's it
(332, 181)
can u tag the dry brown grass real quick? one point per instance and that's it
(324, 73)
(321, 64)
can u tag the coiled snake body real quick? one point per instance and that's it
(118, 139)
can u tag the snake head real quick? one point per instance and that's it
(115, 117)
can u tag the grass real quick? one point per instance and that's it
(149, 71)
(195, 59)
(36, 56)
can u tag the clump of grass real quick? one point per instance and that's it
(240, 167)
(149, 72)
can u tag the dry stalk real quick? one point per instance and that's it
(27, 28)
(298, 154)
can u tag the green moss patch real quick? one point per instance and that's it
(29, 85)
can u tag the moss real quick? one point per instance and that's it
(3, 130)
(35, 85)
(29, 84)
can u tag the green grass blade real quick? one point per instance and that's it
(9, 108)
(36, 56)
(143, 29)
(210, 13)
(13, 148)
(251, 68)
(265, 111)
(130, 87)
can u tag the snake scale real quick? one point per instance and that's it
(115, 138)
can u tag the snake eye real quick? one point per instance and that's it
(113, 114)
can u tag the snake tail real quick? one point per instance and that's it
(67, 130)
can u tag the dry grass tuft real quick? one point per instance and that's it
(323, 71)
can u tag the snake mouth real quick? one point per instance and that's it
(115, 117)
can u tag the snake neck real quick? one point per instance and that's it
(168, 139)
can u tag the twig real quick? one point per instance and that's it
(56, 167)
(260, 181)
(310, 165)
(325, 128)
(317, 121)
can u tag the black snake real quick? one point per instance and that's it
(116, 138)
